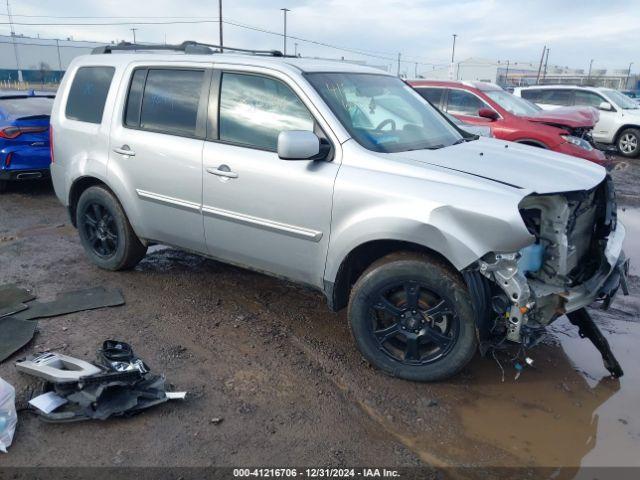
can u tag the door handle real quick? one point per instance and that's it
(223, 171)
(125, 150)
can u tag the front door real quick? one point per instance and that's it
(156, 146)
(260, 211)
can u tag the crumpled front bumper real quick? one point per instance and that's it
(604, 284)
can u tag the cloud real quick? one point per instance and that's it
(576, 31)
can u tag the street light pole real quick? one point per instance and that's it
(220, 24)
(134, 34)
(626, 83)
(285, 10)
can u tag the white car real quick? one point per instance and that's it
(619, 122)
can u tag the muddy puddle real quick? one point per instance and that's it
(566, 411)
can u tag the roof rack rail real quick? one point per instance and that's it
(189, 46)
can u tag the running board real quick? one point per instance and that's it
(587, 328)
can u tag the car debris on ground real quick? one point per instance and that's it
(118, 384)
(8, 416)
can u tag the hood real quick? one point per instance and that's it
(513, 164)
(572, 117)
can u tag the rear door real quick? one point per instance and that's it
(260, 211)
(156, 149)
(554, 98)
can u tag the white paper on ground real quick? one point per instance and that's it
(176, 395)
(47, 402)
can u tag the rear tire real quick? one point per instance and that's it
(411, 316)
(105, 232)
(628, 143)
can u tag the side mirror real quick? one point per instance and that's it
(488, 113)
(298, 145)
(605, 106)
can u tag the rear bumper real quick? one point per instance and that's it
(17, 175)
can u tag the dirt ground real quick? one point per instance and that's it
(283, 374)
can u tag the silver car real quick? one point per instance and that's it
(342, 178)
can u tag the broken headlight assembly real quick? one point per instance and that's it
(577, 141)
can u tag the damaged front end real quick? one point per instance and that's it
(576, 259)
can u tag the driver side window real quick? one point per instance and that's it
(464, 103)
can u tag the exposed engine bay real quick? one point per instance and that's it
(575, 259)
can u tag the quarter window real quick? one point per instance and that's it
(464, 103)
(169, 102)
(88, 94)
(255, 109)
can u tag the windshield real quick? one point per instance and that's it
(621, 100)
(511, 103)
(382, 113)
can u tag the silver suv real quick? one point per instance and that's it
(342, 178)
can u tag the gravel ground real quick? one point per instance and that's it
(282, 373)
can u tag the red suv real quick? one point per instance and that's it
(565, 130)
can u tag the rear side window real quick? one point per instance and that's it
(434, 95)
(556, 97)
(88, 94)
(169, 102)
(255, 109)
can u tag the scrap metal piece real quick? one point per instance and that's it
(587, 328)
(56, 367)
(11, 294)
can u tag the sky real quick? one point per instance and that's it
(420, 30)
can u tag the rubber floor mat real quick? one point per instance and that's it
(11, 294)
(14, 334)
(70, 302)
(4, 311)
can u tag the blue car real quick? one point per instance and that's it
(24, 137)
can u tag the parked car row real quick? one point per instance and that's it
(619, 122)
(514, 119)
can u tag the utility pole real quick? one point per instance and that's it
(626, 83)
(544, 49)
(399, 63)
(506, 75)
(285, 10)
(13, 40)
(295, 49)
(453, 48)
(546, 61)
(59, 58)
(134, 34)
(220, 24)
(589, 74)
(415, 75)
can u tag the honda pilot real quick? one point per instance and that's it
(339, 177)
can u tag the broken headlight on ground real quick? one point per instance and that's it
(576, 259)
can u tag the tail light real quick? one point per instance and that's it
(14, 132)
(51, 143)
(7, 159)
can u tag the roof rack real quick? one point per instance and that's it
(189, 47)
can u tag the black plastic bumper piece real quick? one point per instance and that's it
(587, 328)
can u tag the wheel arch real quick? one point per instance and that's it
(361, 257)
(622, 129)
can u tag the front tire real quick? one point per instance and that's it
(411, 316)
(105, 232)
(628, 143)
